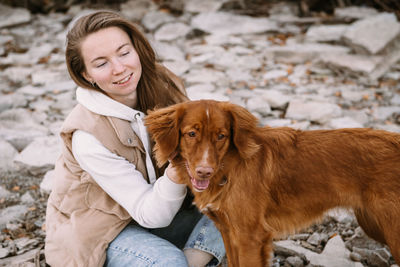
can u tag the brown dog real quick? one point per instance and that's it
(258, 183)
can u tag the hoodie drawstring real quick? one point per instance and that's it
(141, 131)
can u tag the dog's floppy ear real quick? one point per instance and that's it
(163, 127)
(244, 127)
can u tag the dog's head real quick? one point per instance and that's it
(198, 135)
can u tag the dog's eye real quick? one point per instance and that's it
(192, 134)
(221, 136)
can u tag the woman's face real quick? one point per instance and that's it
(112, 63)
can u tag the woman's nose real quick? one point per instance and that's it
(118, 66)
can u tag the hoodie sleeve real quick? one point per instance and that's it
(150, 205)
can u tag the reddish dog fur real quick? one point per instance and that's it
(257, 183)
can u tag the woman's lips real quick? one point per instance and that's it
(125, 80)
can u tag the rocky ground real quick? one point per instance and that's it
(315, 72)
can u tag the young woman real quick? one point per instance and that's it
(110, 205)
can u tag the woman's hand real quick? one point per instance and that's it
(173, 174)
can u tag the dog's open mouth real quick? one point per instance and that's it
(200, 185)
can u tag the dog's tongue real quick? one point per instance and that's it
(200, 184)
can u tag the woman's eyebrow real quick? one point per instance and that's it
(119, 48)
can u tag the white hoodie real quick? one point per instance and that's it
(151, 205)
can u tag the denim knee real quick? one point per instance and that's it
(172, 258)
(136, 246)
(161, 257)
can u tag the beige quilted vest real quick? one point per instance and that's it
(81, 219)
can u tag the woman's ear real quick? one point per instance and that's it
(243, 128)
(87, 77)
(163, 126)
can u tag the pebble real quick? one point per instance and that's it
(323, 76)
(11, 213)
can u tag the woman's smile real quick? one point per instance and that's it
(125, 80)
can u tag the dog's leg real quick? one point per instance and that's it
(382, 226)
(231, 252)
(369, 224)
(254, 251)
(394, 246)
(393, 239)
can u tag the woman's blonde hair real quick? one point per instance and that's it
(157, 87)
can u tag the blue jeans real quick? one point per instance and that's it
(137, 246)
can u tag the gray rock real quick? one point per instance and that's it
(219, 40)
(388, 127)
(203, 76)
(334, 255)
(219, 23)
(177, 67)
(18, 75)
(300, 53)
(31, 91)
(18, 59)
(325, 33)
(40, 51)
(275, 98)
(314, 111)
(39, 156)
(48, 76)
(344, 122)
(8, 152)
(4, 252)
(355, 12)
(317, 238)
(362, 241)
(355, 257)
(379, 258)
(13, 16)
(135, 10)
(395, 100)
(259, 105)
(204, 6)
(275, 74)
(238, 75)
(4, 39)
(205, 91)
(167, 51)
(201, 87)
(11, 213)
(60, 86)
(228, 60)
(27, 198)
(19, 127)
(277, 123)
(4, 193)
(341, 215)
(384, 113)
(295, 261)
(64, 102)
(153, 19)
(353, 96)
(47, 182)
(12, 101)
(356, 65)
(24, 243)
(373, 34)
(205, 95)
(172, 31)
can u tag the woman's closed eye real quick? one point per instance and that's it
(125, 53)
(101, 64)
